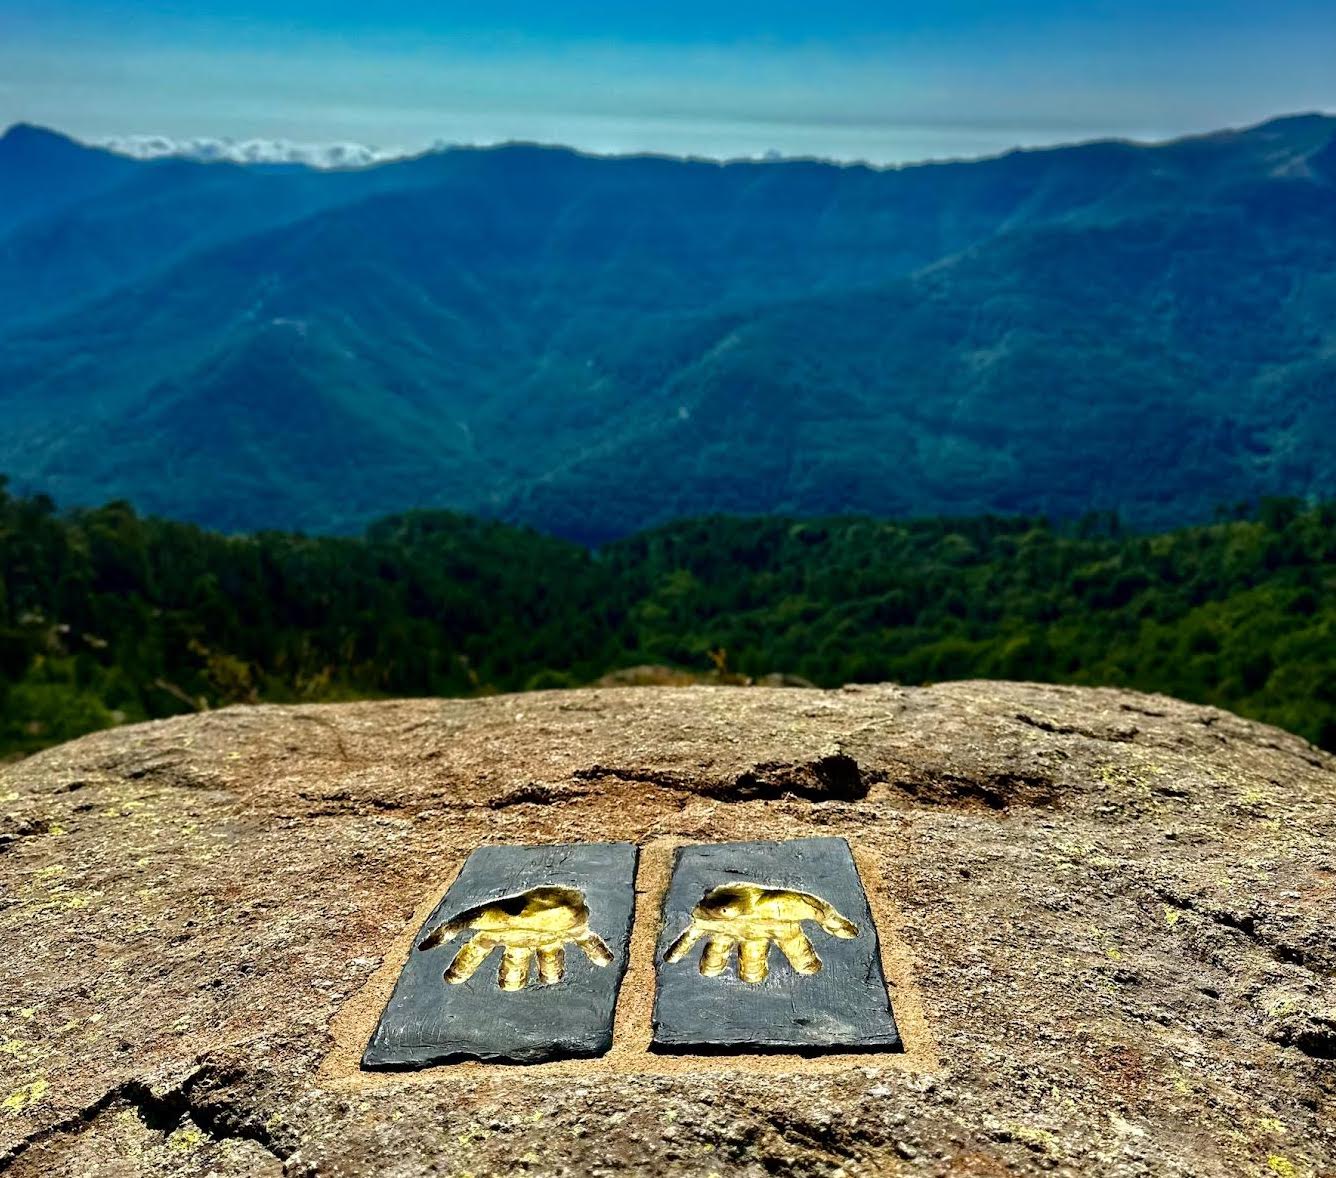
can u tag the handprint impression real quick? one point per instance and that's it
(750, 916)
(538, 922)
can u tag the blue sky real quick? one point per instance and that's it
(880, 81)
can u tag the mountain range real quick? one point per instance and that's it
(593, 345)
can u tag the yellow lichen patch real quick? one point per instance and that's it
(1281, 1166)
(62, 897)
(1172, 916)
(1039, 1139)
(185, 1139)
(1060, 1102)
(1271, 1125)
(21, 1051)
(1104, 940)
(1111, 774)
(22, 1099)
(1075, 850)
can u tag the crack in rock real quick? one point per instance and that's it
(994, 791)
(164, 1111)
(1313, 1034)
(1253, 926)
(537, 793)
(13, 828)
(836, 777)
(1118, 735)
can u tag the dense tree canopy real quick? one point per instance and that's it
(107, 617)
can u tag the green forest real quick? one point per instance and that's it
(107, 617)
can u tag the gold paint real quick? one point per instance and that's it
(748, 916)
(630, 1054)
(537, 924)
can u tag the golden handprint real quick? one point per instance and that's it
(750, 916)
(537, 923)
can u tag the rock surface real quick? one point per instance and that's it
(1108, 919)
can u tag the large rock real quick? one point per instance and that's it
(1108, 919)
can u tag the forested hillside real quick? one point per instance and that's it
(107, 617)
(593, 346)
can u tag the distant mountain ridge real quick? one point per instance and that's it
(593, 345)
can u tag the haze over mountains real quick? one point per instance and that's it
(593, 345)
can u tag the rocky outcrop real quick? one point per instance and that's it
(1107, 918)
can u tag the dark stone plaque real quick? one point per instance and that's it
(519, 963)
(770, 946)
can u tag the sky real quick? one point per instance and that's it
(847, 79)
